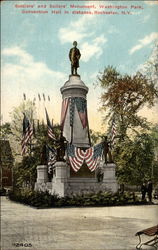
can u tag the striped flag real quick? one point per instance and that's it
(52, 154)
(93, 156)
(75, 156)
(49, 127)
(27, 133)
(65, 104)
(113, 132)
(81, 105)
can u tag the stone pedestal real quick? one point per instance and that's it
(42, 174)
(77, 133)
(60, 185)
(109, 178)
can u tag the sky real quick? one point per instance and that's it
(35, 47)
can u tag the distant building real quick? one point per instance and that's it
(6, 162)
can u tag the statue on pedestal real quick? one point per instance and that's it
(100, 174)
(43, 160)
(61, 147)
(74, 56)
(107, 151)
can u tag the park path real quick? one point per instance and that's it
(100, 228)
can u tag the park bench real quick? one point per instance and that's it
(152, 232)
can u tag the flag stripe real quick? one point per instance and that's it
(75, 166)
(79, 153)
(75, 157)
(51, 156)
(113, 132)
(49, 127)
(91, 156)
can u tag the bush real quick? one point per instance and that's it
(37, 199)
(41, 199)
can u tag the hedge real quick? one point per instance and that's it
(41, 199)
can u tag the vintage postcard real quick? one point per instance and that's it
(79, 124)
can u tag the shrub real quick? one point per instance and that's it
(41, 199)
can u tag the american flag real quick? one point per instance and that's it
(49, 127)
(113, 132)
(81, 105)
(27, 133)
(75, 156)
(93, 156)
(65, 104)
(52, 154)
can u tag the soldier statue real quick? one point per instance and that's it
(74, 56)
(107, 151)
(61, 146)
(43, 158)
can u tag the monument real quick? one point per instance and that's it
(74, 56)
(82, 169)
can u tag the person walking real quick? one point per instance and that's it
(143, 190)
(149, 190)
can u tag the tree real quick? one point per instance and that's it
(25, 167)
(17, 116)
(96, 137)
(154, 136)
(26, 170)
(5, 131)
(135, 159)
(124, 96)
(150, 68)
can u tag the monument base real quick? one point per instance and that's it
(63, 185)
(42, 183)
(109, 178)
(59, 181)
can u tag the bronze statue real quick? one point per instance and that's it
(100, 174)
(43, 155)
(107, 151)
(61, 146)
(74, 56)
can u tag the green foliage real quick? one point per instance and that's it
(32, 198)
(5, 131)
(134, 159)
(95, 137)
(25, 168)
(44, 199)
(154, 137)
(17, 116)
(123, 96)
(25, 172)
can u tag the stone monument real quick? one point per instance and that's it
(75, 131)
